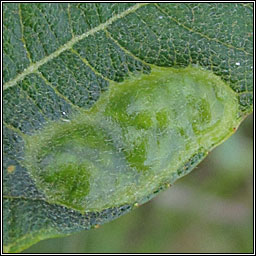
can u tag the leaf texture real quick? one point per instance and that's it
(58, 58)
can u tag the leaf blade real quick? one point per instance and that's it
(106, 52)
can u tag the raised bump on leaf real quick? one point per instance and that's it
(136, 136)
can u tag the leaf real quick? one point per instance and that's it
(66, 63)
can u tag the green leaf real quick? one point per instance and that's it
(107, 104)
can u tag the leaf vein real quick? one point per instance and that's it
(16, 130)
(69, 20)
(24, 198)
(57, 91)
(40, 11)
(22, 35)
(34, 67)
(200, 33)
(34, 102)
(86, 62)
(128, 52)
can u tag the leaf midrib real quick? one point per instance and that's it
(34, 67)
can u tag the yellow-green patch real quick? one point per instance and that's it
(138, 134)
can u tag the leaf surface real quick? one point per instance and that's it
(60, 58)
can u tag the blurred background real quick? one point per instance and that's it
(208, 211)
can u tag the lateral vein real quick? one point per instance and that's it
(34, 67)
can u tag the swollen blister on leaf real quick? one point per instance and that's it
(132, 140)
(107, 104)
